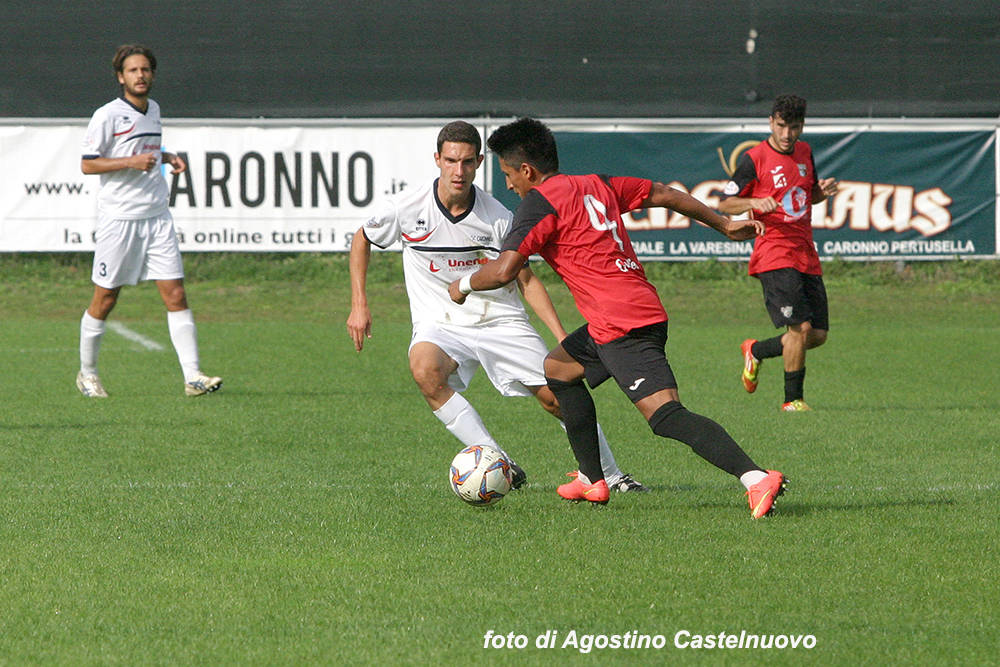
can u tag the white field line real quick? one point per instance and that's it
(125, 332)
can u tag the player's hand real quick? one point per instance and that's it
(143, 161)
(742, 230)
(175, 161)
(455, 294)
(765, 205)
(359, 326)
(828, 186)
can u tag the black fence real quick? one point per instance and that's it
(562, 58)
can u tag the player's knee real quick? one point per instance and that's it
(816, 337)
(428, 378)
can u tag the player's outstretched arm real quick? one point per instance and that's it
(491, 275)
(538, 298)
(359, 322)
(668, 197)
(823, 188)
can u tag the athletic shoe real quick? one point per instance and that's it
(90, 386)
(798, 405)
(626, 484)
(517, 475)
(750, 366)
(763, 494)
(597, 493)
(202, 384)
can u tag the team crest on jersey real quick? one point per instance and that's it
(731, 188)
(786, 311)
(802, 170)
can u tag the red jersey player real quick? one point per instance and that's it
(776, 181)
(574, 222)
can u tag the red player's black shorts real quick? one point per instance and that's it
(637, 361)
(793, 297)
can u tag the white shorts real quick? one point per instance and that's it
(128, 251)
(512, 353)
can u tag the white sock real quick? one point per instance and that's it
(184, 336)
(91, 331)
(748, 479)
(459, 417)
(612, 473)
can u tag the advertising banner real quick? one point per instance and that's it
(918, 191)
(247, 188)
(903, 194)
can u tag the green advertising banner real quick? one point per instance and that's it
(903, 194)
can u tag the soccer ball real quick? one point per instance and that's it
(480, 475)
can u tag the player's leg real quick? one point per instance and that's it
(565, 374)
(639, 365)
(92, 326)
(118, 261)
(804, 336)
(165, 267)
(437, 374)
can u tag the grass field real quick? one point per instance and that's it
(302, 515)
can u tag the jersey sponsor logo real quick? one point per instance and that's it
(433, 267)
(462, 263)
(795, 202)
(626, 264)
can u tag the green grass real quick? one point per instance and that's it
(301, 515)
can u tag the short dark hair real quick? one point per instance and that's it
(526, 140)
(460, 132)
(126, 50)
(791, 108)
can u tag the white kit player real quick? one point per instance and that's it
(448, 228)
(135, 231)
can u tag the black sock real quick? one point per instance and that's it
(580, 417)
(708, 440)
(767, 349)
(793, 384)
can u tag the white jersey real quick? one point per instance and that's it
(439, 248)
(118, 129)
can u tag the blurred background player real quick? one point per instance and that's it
(448, 227)
(575, 224)
(775, 181)
(135, 231)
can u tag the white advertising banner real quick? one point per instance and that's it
(247, 188)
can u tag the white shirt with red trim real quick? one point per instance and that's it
(439, 248)
(118, 129)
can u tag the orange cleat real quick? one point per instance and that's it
(798, 405)
(763, 494)
(750, 366)
(576, 491)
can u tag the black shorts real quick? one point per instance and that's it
(793, 297)
(637, 361)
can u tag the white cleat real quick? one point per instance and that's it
(202, 384)
(90, 386)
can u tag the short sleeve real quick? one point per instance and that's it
(97, 140)
(383, 228)
(744, 174)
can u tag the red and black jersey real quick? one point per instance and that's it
(575, 224)
(789, 178)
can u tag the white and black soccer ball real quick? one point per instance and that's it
(480, 475)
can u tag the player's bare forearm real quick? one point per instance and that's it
(668, 197)
(104, 165)
(495, 273)
(359, 322)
